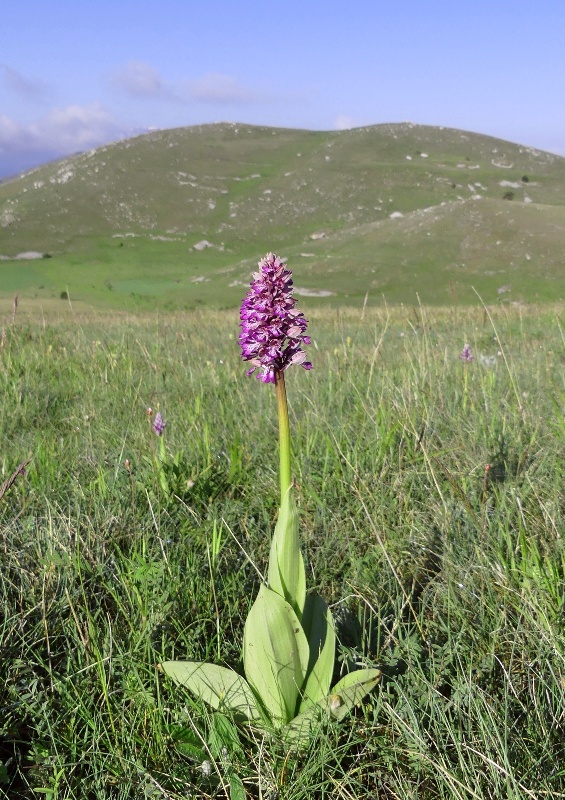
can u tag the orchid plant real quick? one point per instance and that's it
(289, 637)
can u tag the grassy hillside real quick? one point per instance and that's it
(179, 218)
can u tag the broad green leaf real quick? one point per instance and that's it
(318, 626)
(217, 686)
(347, 692)
(237, 789)
(286, 574)
(350, 690)
(223, 734)
(187, 742)
(299, 730)
(275, 654)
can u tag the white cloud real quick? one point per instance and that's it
(343, 123)
(76, 127)
(215, 87)
(141, 80)
(9, 130)
(60, 131)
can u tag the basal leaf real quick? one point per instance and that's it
(221, 688)
(299, 730)
(347, 692)
(275, 654)
(350, 690)
(318, 626)
(286, 574)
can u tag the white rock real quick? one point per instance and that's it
(30, 254)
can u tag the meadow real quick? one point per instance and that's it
(432, 508)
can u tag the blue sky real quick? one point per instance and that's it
(74, 75)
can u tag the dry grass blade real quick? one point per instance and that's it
(9, 482)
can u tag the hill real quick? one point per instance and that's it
(179, 218)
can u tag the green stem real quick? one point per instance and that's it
(284, 434)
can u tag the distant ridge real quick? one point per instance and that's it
(180, 217)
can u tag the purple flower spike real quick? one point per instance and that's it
(158, 424)
(272, 330)
(466, 353)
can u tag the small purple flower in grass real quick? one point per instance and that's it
(158, 424)
(466, 355)
(272, 329)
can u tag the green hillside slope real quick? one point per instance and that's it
(180, 217)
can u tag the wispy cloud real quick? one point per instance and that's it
(215, 87)
(141, 80)
(343, 123)
(60, 131)
(23, 85)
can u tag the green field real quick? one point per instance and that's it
(115, 556)
(395, 212)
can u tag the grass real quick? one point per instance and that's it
(447, 575)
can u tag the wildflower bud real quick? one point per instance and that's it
(466, 355)
(159, 424)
